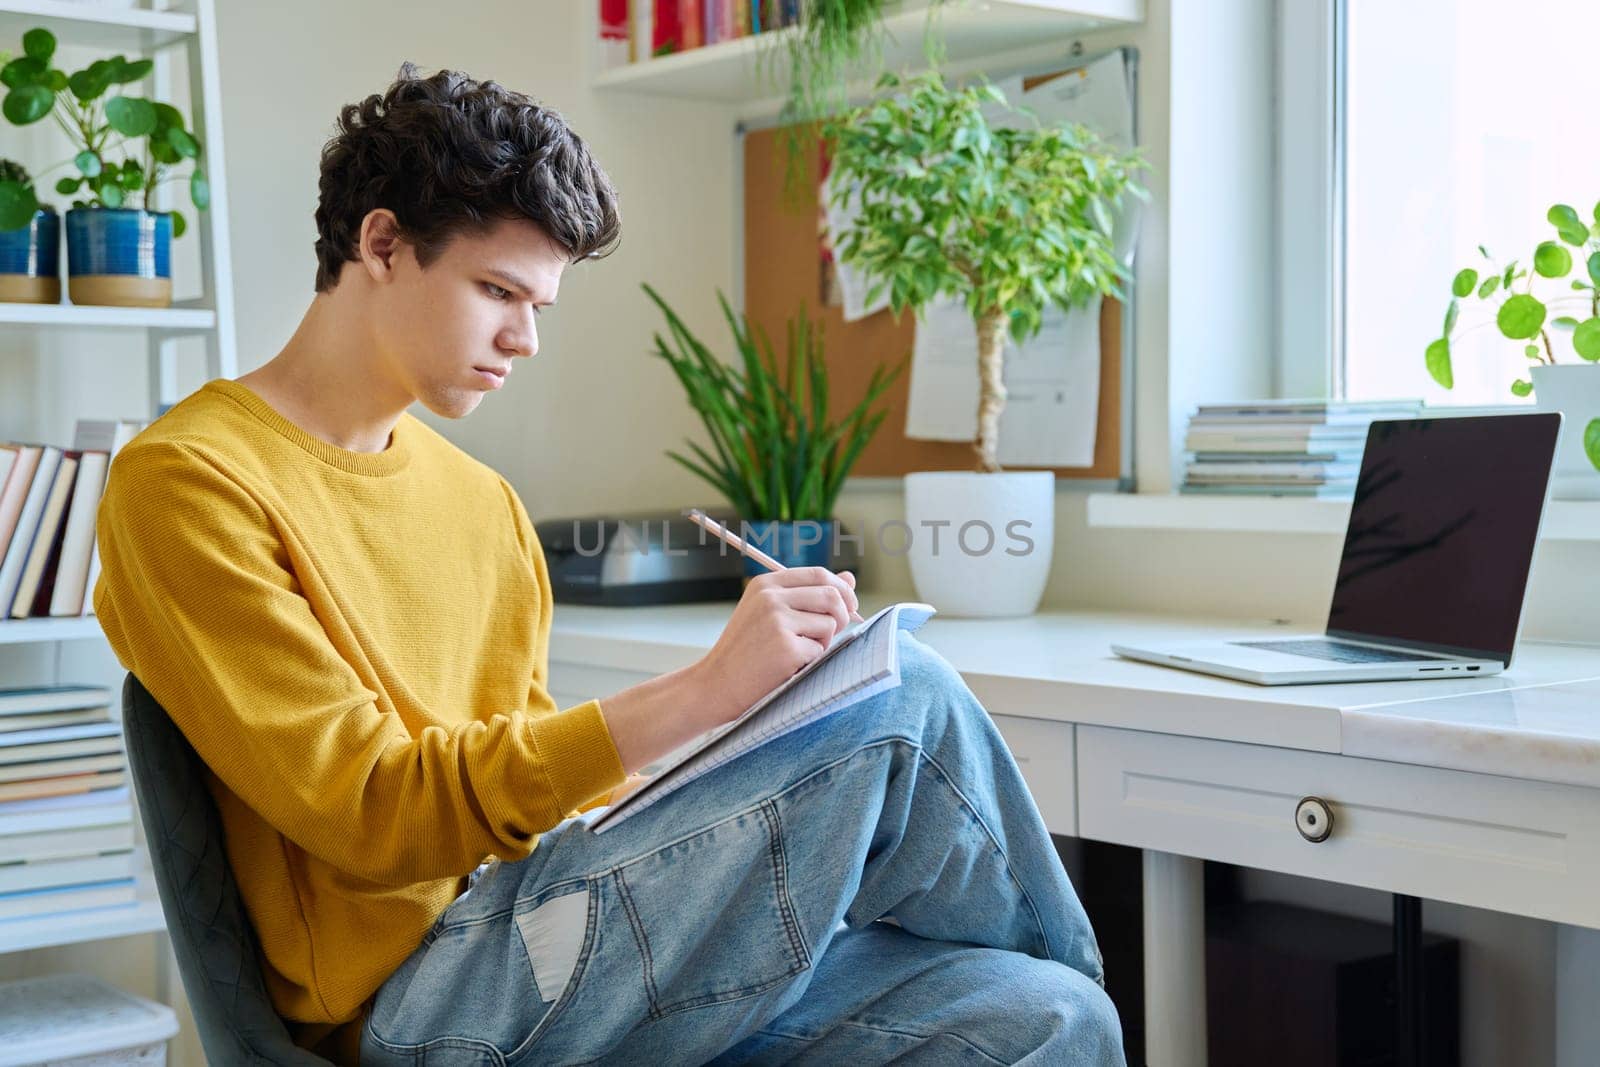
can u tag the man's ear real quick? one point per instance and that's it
(380, 240)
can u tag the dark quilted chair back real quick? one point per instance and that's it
(211, 935)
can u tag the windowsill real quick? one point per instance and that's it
(1566, 520)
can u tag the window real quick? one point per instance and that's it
(1462, 123)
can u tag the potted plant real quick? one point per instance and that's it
(30, 241)
(1549, 343)
(118, 251)
(1011, 220)
(778, 459)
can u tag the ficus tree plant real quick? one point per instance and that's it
(127, 146)
(1011, 220)
(778, 455)
(1507, 295)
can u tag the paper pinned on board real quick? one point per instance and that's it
(853, 284)
(1052, 385)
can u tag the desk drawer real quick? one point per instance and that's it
(1044, 753)
(1531, 848)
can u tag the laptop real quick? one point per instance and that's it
(1435, 565)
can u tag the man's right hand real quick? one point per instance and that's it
(784, 620)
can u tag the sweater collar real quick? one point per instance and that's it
(391, 460)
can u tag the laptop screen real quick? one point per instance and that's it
(1442, 532)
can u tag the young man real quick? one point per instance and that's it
(348, 618)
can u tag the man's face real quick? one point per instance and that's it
(449, 333)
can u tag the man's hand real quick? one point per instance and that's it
(784, 620)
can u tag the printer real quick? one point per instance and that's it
(641, 557)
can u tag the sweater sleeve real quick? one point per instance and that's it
(199, 600)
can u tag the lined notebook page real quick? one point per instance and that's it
(860, 663)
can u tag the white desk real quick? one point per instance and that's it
(1482, 791)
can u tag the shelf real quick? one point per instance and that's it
(122, 29)
(753, 69)
(176, 319)
(73, 927)
(1565, 520)
(28, 631)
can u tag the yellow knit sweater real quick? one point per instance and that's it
(356, 645)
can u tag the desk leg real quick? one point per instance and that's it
(1174, 960)
(1577, 994)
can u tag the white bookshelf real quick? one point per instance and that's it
(160, 30)
(751, 71)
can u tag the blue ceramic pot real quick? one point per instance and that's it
(120, 256)
(803, 543)
(30, 261)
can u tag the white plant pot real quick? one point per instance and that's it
(980, 544)
(1573, 390)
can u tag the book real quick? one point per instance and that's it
(15, 490)
(47, 538)
(52, 698)
(1341, 491)
(61, 842)
(40, 814)
(66, 871)
(87, 746)
(91, 435)
(27, 525)
(55, 768)
(54, 787)
(860, 663)
(1311, 407)
(72, 569)
(73, 732)
(9, 723)
(31, 902)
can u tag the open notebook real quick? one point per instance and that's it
(862, 662)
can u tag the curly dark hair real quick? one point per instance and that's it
(448, 155)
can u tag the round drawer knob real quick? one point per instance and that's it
(1314, 819)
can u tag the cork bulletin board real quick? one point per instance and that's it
(782, 272)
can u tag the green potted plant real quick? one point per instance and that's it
(30, 241)
(1011, 220)
(775, 455)
(118, 251)
(1559, 382)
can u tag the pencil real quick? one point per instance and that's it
(710, 525)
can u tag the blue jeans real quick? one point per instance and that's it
(738, 921)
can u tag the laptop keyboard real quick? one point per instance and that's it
(1337, 651)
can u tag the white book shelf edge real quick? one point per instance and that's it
(30, 631)
(70, 928)
(100, 25)
(70, 315)
(752, 69)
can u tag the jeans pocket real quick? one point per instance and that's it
(712, 914)
(483, 987)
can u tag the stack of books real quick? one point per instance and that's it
(1283, 448)
(666, 27)
(66, 823)
(49, 497)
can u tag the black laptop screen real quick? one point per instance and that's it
(1442, 532)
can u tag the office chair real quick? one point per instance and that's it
(213, 940)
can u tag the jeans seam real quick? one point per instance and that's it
(780, 870)
(963, 1038)
(644, 943)
(1038, 920)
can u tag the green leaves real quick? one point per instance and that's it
(1586, 339)
(39, 44)
(1490, 284)
(1450, 316)
(1438, 361)
(1569, 227)
(1520, 317)
(17, 205)
(774, 454)
(1591, 442)
(153, 134)
(1550, 260)
(131, 116)
(1521, 388)
(1594, 265)
(1463, 283)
